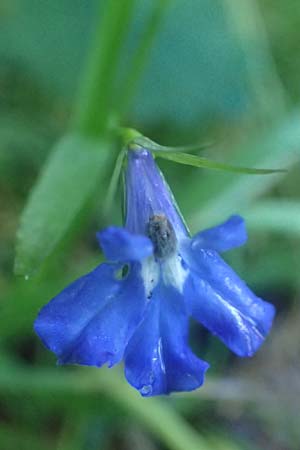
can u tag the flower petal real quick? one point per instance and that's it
(158, 359)
(148, 194)
(120, 245)
(223, 237)
(91, 321)
(224, 304)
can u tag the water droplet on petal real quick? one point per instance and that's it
(146, 390)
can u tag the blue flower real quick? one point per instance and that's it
(137, 306)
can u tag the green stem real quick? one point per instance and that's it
(92, 107)
(141, 56)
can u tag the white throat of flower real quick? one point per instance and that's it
(165, 265)
(169, 271)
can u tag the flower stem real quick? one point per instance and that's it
(141, 55)
(92, 107)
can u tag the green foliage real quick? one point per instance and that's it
(205, 163)
(154, 147)
(169, 90)
(280, 216)
(219, 196)
(195, 71)
(71, 175)
(96, 89)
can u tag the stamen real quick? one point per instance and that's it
(162, 235)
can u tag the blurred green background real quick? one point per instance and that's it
(180, 71)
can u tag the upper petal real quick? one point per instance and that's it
(223, 237)
(120, 245)
(148, 194)
(158, 359)
(91, 321)
(223, 303)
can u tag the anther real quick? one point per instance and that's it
(162, 235)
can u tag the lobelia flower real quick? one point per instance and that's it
(137, 306)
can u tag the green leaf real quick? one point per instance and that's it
(113, 185)
(70, 176)
(210, 197)
(197, 161)
(156, 148)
